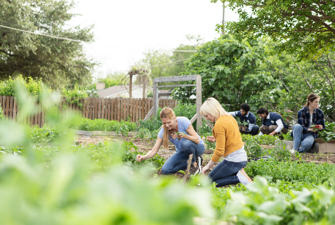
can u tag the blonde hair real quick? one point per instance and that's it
(166, 113)
(213, 107)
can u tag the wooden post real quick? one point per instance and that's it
(130, 86)
(155, 98)
(143, 80)
(199, 101)
(189, 161)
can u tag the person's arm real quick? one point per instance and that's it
(219, 150)
(152, 152)
(279, 128)
(192, 135)
(233, 113)
(252, 122)
(205, 168)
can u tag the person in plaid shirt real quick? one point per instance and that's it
(303, 133)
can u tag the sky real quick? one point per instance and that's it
(124, 30)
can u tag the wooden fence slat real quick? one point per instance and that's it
(93, 108)
(7, 106)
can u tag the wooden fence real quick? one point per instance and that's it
(93, 108)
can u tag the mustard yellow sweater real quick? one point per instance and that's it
(227, 136)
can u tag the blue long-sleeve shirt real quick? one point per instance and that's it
(250, 118)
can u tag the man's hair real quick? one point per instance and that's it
(262, 111)
(245, 107)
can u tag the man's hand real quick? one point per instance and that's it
(272, 133)
(211, 139)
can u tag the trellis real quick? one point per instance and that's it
(198, 86)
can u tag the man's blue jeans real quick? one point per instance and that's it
(178, 161)
(305, 140)
(225, 172)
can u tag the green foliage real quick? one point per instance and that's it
(57, 62)
(266, 205)
(254, 149)
(112, 79)
(122, 127)
(146, 134)
(132, 198)
(292, 171)
(42, 136)
(288, 136)
(328, 133)
(55, 184)
(229, 70)
(2, 116)
(297, 25)
(260, 139)
(129, 157)
(75, 95)
(33, 87)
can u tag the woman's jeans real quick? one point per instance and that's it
(178, 161)
(306, 140)
(225, 172)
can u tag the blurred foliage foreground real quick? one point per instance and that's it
(60, 183)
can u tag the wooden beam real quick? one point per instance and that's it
(155, 97)
(149, 114)
(209, 124)
(175, 78)
(179, 85)
(198, 100)
(130, 86)
(194, 118)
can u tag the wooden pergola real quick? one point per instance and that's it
(144, 73)
(198, 86)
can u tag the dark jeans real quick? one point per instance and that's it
(254, 130)
(225, 173)
(178, 161)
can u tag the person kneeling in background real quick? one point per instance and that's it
(246, 116)
(272, 123)
(228, 144)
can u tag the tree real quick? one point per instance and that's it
(306, 26)
(57, 62)
(229, 71)
(113, 79)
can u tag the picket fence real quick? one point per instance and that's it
(92, 108)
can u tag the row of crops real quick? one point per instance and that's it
(45, 178)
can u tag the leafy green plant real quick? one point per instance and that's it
(328, 133)
(103, 125)
(2, 116)
(75, 95)
(288, 136)
(131, 151)
(293, 171)
(35, 87)
(55, 184)
(266, 205)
